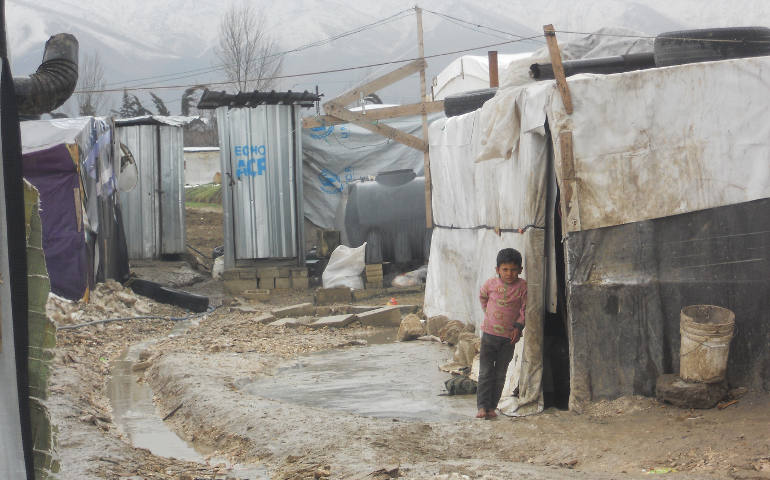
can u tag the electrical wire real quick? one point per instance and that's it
(321, 72)
(317, 43)
(460, 21)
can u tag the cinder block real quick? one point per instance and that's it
(247, 273)
(327, 296)
(389, 316)
(285, 322)
(300, 283)
(266, 283)
(359, 295)
(284, 272)
(283, 282)
(338, 321)
(259, 294)
(236, 287)
(265, 272)
(299, 272)
(299, 310)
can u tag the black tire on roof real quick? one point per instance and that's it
(690, 46)
(467, 101)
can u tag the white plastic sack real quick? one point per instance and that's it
(411, 279)
(345, 267)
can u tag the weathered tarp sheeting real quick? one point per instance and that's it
(673, 140)
(472, 202)
(54, 173)
(676, 176)
(337, 155)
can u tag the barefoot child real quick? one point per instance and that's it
(504, 300)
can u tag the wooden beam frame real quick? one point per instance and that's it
(376, 114)
(384, 130)
(558, 68)
(378, 83)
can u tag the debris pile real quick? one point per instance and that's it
(107, 300)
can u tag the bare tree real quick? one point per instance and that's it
(248, 54)
(90, 81)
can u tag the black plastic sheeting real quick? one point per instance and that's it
(627, 285)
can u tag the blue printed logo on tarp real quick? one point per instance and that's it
(331, 183)
(250, 157)
(320, 133)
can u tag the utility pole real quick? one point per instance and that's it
(423, 98)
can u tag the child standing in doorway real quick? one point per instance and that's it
(504, 301)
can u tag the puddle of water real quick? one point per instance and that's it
(376, 336)
(389, 380)
(134, 412)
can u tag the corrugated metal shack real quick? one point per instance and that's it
(261, 161)
(154, 212)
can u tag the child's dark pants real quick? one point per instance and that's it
(496, 353)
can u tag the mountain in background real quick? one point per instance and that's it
(170, 43)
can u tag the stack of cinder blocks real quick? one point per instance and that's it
(282, 278)
(374, 275)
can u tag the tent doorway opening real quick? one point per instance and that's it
(556, 374)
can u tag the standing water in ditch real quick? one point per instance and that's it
(384, 379)
(134, 412)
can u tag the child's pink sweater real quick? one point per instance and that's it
(503, 305)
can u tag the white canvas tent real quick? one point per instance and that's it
(663, 191)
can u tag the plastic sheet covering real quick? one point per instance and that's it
(469, 72)
(673, 140)
(628, 283)
(474, 201)
(337, 155)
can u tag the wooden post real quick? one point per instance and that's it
(423, 98)
(494, 80)
(558, 68)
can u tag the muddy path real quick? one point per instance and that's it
(620, 439)
(213, 381)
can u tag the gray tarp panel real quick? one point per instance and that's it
(628, 283)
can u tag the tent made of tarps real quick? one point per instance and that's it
(335, 156)
(651, 196)
(469, 72)
(70, 162)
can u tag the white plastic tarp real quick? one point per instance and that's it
(336, 155)
(482, 207)
(660, 142)
(469, 72)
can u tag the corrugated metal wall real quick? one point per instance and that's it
(261, 160)
(153, 212)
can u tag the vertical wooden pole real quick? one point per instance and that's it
(424, 98)
(494, 80)
(558, 68)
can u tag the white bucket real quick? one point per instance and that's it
(706, 333)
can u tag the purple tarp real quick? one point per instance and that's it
(52, 171)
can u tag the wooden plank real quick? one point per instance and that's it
(378, 83)
(384, 130)
(558, 68)
(426, 155)
(376, 114)
(494, 78)
(569, 184)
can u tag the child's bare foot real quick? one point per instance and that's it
(491, 413)
(481, 413)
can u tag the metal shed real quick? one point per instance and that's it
(261, 161)
(154, 214)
